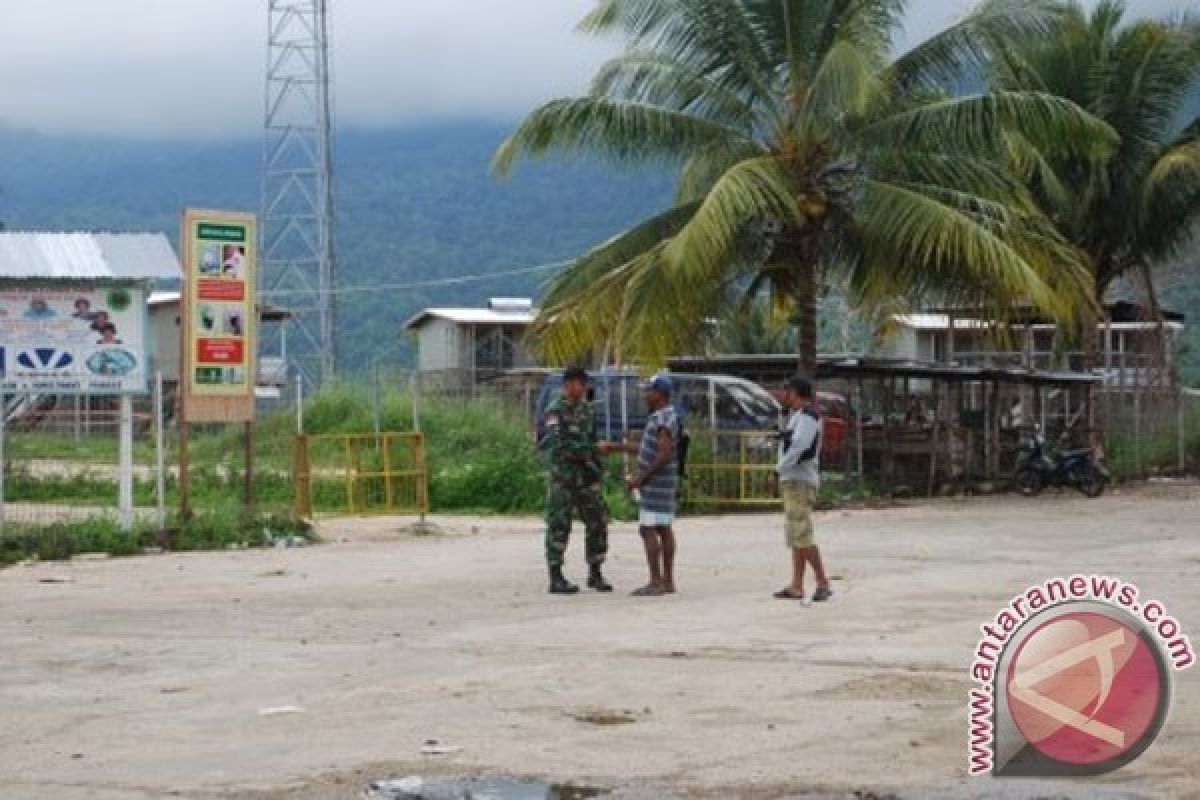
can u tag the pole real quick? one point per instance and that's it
(184, 511)
(125, 463)
(299, 402)
(248, 499)
(159, 457)
(416, 422)
(858, 424)
(416, 403)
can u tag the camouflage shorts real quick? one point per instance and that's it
(797, 513)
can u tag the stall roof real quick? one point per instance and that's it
(842, 366)
(26, 255)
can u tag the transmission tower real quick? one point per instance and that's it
(296, 255)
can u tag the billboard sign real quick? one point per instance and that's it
(219, 318)
(71, 339)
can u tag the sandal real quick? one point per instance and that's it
(649, 590)
(822, 594)
(786, 594)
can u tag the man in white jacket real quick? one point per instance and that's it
(797, 477)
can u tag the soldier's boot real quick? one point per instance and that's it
(596, 580)
(559, 584)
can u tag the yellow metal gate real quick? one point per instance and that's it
(360, 473)
(729, 470)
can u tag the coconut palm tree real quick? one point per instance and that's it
(804, 149)
(1140, 205)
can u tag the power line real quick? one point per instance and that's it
(454, 281)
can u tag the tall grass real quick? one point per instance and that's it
(479, 458)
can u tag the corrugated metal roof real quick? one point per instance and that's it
(936, 322)
(473, 316)
(87, 256)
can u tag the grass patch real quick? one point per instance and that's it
(101, 534)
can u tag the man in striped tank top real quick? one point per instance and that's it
(655, 485)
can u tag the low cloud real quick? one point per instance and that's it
(195, 68)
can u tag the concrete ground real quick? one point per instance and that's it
(148, 677)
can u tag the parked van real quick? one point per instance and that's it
(708, 401)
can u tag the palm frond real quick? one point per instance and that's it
(751, 191)
(706, 165)
(616, 252)
(620, 131)
(643, 76)
(977, 124)
(936, 246)
(969, 47)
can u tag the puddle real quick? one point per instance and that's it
(480, 789)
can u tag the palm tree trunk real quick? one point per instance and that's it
(805, 316)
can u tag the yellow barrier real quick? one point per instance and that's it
(729, 469)
(360, 473)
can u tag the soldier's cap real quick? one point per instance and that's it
(575, 374)
(800, 385)
(659, 383)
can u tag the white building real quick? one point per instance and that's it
(1132, 355)
(462, 347)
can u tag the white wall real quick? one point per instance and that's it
(163, 344)
(438, 346)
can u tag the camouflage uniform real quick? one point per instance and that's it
(575, 476)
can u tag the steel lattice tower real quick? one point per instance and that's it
(296, 255)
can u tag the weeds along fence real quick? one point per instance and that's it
(479, 456)
(1151, 432)
(61, 462)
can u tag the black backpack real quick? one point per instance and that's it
(681, 451)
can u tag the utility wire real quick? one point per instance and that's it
(396, 287)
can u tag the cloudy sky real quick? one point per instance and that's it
(194, 68)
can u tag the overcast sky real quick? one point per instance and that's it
(195, 68)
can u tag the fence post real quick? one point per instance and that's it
(125, 463)
(1181, 441)
(159, 461)
(1137, 432)
(375, 397)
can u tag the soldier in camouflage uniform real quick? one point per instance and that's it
(576, 471)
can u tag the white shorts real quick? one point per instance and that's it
(655, 519)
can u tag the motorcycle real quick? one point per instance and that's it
(1077, 468)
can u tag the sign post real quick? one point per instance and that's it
(219, 330)
(125, 463)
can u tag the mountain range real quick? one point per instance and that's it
(412, 206)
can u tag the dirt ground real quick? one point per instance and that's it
(146, 677)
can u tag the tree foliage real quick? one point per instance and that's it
(1138, 206)
(805, 152)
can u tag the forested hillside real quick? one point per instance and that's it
(412, 206)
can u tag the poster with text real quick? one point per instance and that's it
(219, 316)
(70, 339)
